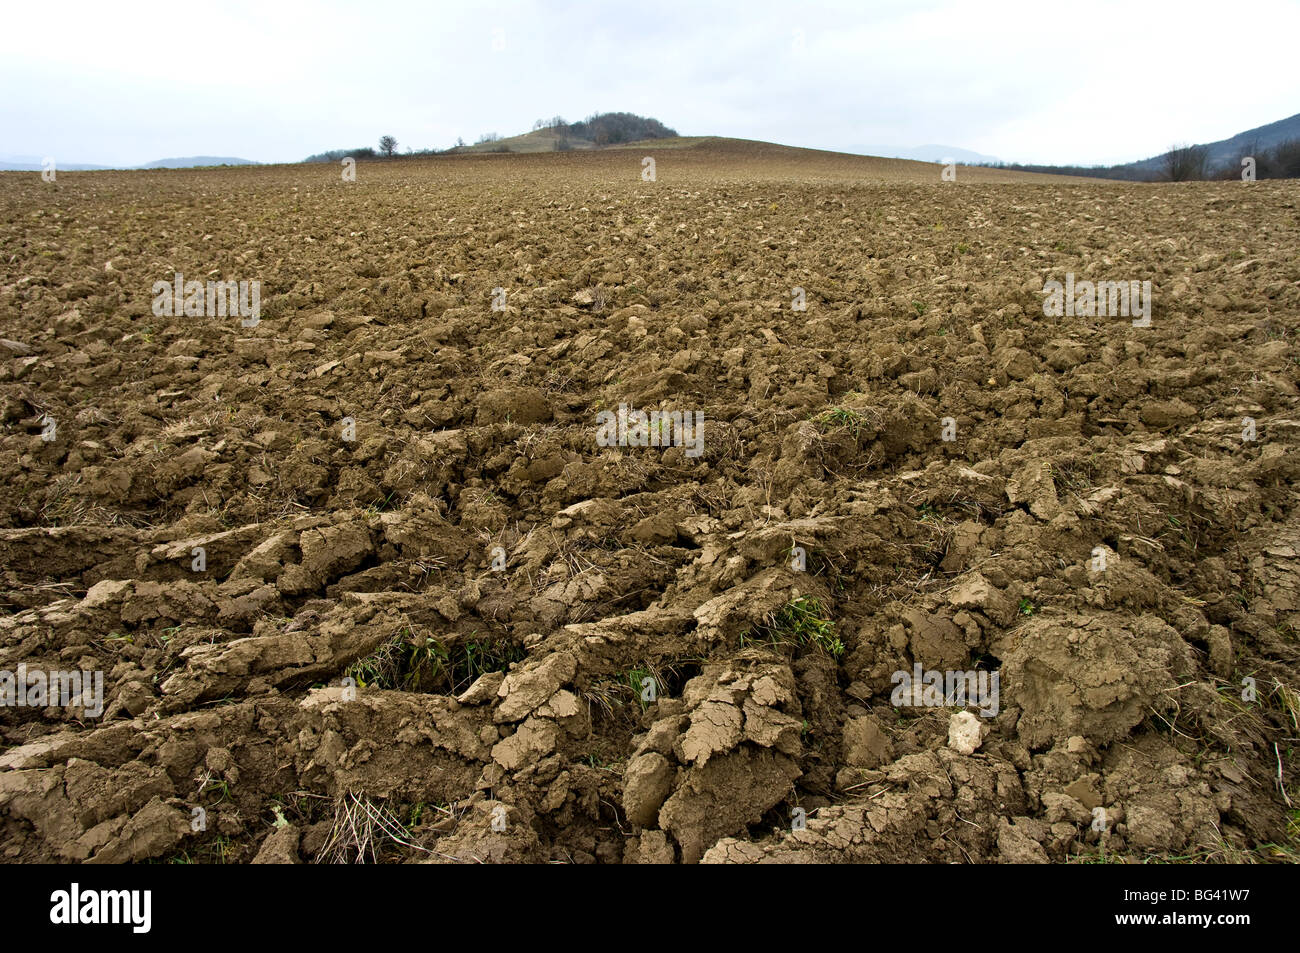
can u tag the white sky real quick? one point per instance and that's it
(123, 83)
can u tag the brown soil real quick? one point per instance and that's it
(499, 715)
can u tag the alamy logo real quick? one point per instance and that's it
(935, 689)
(1112, 299)
(103, 906)
(658, 428)
(38, 689)
(215, 299)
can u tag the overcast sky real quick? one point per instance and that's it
(123, 83)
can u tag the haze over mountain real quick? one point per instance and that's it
(21, 163)
(929, 153)
(191, 161)
(26, 163)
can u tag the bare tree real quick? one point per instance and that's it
(1184, 163)
(387, 145)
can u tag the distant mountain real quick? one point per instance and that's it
(190, 162)
(25, 163)
(933, 153)
(20, 163)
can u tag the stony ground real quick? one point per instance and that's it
(434, 618)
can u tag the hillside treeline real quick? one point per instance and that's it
(609, 129)
(1182, 164)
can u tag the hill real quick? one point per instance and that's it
(1230, 150)
(548, 135)
(556, 135)
(699, 159)
(1275, 146)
